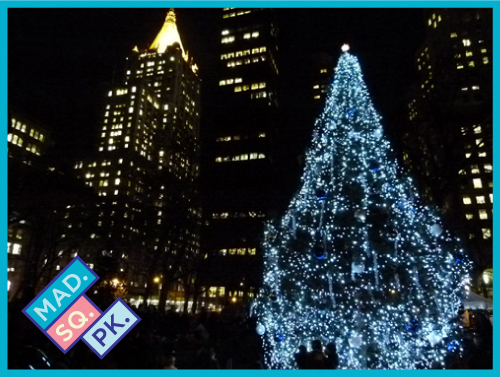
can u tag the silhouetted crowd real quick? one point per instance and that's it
(225, 340)
(317, 358)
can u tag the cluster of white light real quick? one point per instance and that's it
(387, 260)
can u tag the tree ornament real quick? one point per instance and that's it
(260, 329)
(320, 194)
(360, 215)
(454, 346)
(413, 326)
(374, 166)
(279, 337)
(377, 133)
(434, 338)
(393, 234)
(357, 268)
(319, 252)
(355, 341)
(436, 230)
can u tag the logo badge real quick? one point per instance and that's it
(65, 314)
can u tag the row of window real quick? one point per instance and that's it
(232, 38)
(238, 62)
(13, 248)
(254, 86)
(235, 14)
(238, 251)
(478, 183)
(227, 215)
(479, 199)
(16, 140)
(480, 154)
(241, 157)
(22, 127)
(236, 80)
(237, 137)
(488, 168)
(483, 215)
(477, 129)
(472, 64)
(237, 54)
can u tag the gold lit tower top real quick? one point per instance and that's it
(168, 35)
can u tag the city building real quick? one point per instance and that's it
(322, 74)
(27, 140)
(448, 142)
(146, 167)
(239, 175)
(27, 143)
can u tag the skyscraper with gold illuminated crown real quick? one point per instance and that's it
(146, 169)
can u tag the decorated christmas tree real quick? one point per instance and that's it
(357, 259)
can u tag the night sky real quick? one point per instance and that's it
(62, 62)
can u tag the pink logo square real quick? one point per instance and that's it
(73, 323)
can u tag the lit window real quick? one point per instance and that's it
(477, 130)
(477, 183)
(237, 88)
(467, 200)
(223, 252)
(469, 216)
(483, 215)
(117, 181)
(482, 154)
(488, 168)
(485, 60)
(466, 42)
(471, 64)
(16, 249)
(475, 169)
(246, 36)
(486, 233)
(491, 198)
(467, 155)
(228, 39)
(468, 53)
(480, 200)
(459, 66)
(252, 251)
(222, 82)
(225, 32)
(453, 35)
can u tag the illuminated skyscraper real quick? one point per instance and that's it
(241, 187)
(449, 140)
(147, 163)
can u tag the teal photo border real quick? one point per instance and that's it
(5, 5)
